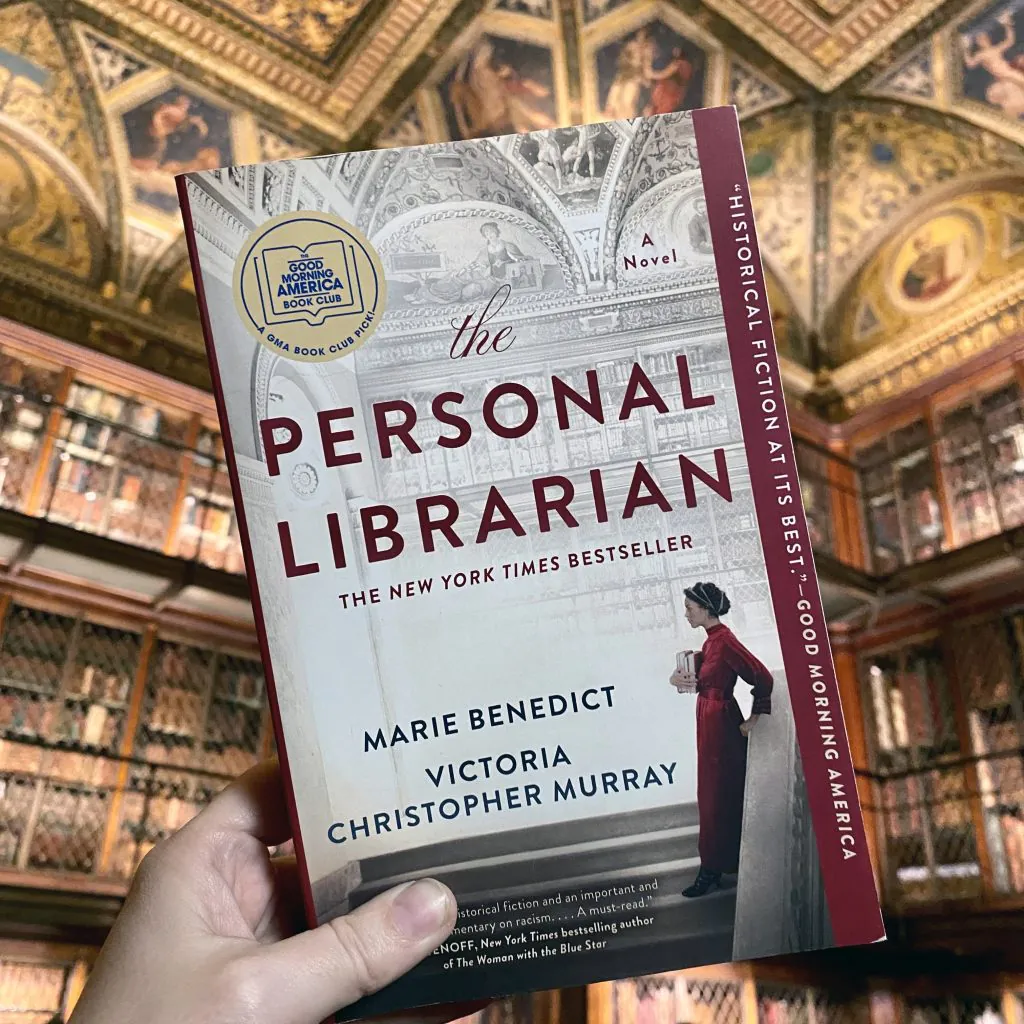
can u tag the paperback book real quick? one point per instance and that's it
(522, 527)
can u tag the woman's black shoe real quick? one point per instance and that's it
(705, 882)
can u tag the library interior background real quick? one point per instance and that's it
(885, 147)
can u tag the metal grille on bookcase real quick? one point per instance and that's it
(202, 710)
(955, 1009)
(677, 999)
(989, 660)
(816, 492)
(782, 1004)
(157, 802)
(234, 724)
(64, 682)
(31, 993)
(69, 827)
(715, 1002)
(980, 454)
(17, 795)
(174, 708)
(926, 819)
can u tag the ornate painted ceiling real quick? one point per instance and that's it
(885, 144)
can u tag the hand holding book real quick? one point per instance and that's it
(208, 929)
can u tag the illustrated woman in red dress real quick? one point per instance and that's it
(722, 733)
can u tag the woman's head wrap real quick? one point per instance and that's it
(710, 597)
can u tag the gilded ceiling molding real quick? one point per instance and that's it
(401, 35)
(932, 76)
(994, 316)
(78, 63)
(80, 296)
(825, 52)
(178, 30)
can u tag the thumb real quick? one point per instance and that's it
(305, 979)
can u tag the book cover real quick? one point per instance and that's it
(523, 532)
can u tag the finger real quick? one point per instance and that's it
(311, 975)
(286, 916)
(253, 804)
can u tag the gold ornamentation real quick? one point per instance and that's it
(16, 189)
(825, 51)
(780, 165)
(56, 229)
(997, 315)
(40, 94)
(886, 166)
(312, 25)
(931, 273)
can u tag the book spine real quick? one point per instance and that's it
(250, 566)
(800, 620)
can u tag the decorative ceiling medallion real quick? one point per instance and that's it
(937, 262)
(502, 76)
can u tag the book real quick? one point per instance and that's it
(506, 430)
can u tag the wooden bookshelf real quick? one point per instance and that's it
(109, 742)
(114, 451)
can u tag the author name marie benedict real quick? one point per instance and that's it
(529, 709)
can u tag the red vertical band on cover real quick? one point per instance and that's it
(831, 782)
(243, 532)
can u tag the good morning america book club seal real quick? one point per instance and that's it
(528, 562)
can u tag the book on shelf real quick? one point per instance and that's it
(470, 625)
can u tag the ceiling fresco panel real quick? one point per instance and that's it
(650, 59)
(500, 86)
(174, 132)
(990, 61)
(654, 70)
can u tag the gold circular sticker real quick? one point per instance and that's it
(310, 286)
